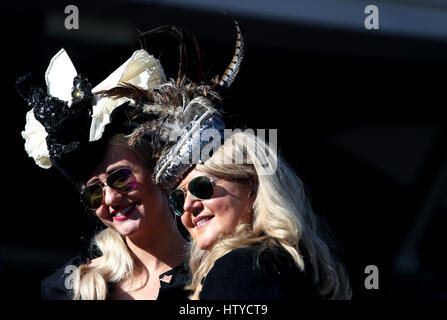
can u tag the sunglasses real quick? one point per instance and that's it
(122, 180)
(200, 187)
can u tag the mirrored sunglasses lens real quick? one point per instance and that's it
(122, 180)
(92, 196)
(201, 187)
(177, 201)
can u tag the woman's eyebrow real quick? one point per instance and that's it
(109, 171)
(92, 181)
(114, 168)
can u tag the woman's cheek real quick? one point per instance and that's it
(186, 220)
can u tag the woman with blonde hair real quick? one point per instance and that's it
(96, 142)
(254, 233)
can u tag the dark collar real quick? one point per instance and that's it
(178, 275)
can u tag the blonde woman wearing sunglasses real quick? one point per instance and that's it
(98, 143)
(254, 233)
(142, 249)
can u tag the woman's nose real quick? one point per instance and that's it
(112, 197)
(192, 204)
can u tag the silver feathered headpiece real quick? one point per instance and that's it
(183, 110)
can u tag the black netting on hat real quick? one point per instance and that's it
(68, 127)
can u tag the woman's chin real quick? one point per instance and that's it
(205, 245)
(128, 229)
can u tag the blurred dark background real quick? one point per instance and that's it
(359, 113)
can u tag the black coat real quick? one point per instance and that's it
(253, 274)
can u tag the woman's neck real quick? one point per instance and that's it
(159, 250)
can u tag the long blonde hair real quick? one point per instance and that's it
(117, 263)
(282, 215)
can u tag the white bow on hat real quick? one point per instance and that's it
(141, 69)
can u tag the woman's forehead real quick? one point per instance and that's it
(114, 157)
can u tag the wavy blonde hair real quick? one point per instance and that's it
(90, 281)
(282, 215)
(117, 263)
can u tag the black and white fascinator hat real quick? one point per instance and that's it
(70, 122)
(66, 123)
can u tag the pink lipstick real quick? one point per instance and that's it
(124, 212)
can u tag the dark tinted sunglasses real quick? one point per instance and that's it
(200, 187)
(121, 180)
